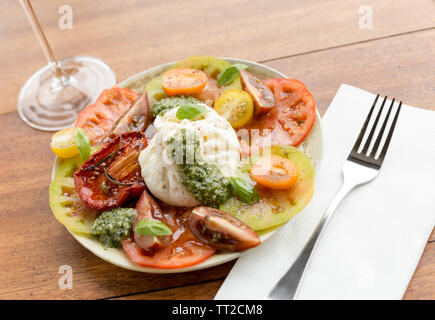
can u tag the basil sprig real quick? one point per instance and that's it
(152, 227)
(191, 111)
(230, 74)
(244, 190)
(83, 144)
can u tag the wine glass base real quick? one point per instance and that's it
(45, 104)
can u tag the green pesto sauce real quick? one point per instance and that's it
(203, 180)
(160, 107)
(114, 225)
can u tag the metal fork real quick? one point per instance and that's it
(359, 168)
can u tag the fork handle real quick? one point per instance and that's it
(287, 286)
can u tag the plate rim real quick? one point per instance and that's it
(225, 257)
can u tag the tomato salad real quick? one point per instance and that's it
(168, 199)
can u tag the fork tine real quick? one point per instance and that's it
(363, 129)
(390, 134)
(381, 132)
(372, 132)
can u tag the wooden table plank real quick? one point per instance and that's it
(422, 285)
(33, 272)
(402, 66)
(133, 35)
(418, 289)
(390, 67)
(201, 291)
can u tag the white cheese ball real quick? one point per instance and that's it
(218, 144)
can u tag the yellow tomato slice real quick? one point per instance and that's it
(236, 106)
(63, 143)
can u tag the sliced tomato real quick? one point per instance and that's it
(64, 201)
(212, 67)
(221, 230)
(134, 119)
(275, 206)
(184, 250)
(261, 94)
(275, 172)
(146, 208)
(112, 175)
(210, 92)
(236, 106)
(296, 107)
(183, 81)
(97, 119)
(292, 118)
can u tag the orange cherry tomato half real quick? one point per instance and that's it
(275, 172)
(183, 81)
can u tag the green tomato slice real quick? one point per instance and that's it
(212, 66)
(64, 201)
(275, 206)
(155, 90)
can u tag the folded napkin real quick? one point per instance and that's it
(374, 241)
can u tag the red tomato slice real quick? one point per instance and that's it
(296, 107)
(97, 119)
(96, 190)
(183, 251)
(292, 118)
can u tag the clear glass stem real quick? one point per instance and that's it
(54, 95)
(61, 79)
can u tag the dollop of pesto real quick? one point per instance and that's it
(203, 180)
(165, 104)
(114, 225)
(206, 183)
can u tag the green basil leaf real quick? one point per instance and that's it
(83, 144)
(152, 227)
(230, 73)
(191, 111)
(244, 190)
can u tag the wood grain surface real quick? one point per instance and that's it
(132, 35)
(318, 42)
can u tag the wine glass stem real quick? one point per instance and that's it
(55, 67)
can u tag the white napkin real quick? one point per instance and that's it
(375, 239)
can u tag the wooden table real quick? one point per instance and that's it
(319, 42)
